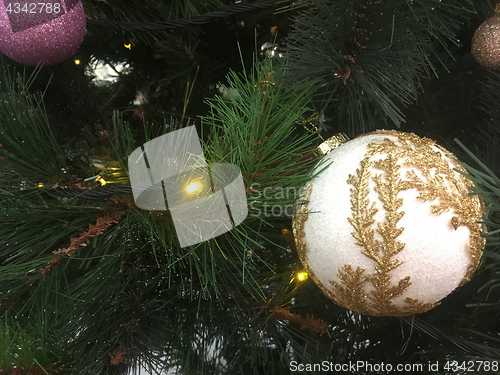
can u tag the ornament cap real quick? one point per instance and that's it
(332, 143)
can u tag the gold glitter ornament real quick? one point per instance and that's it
(389, 228)
(486, 43)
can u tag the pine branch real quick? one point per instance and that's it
(192, 20)
(83, 239)
(148, 10)
(487, 187)
(442, 19)
(365, 73)
(31, 156)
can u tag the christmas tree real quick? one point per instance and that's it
(95, 279)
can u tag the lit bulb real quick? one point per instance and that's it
(101, 180)
(192, 187)
(77, 62)
(301, 276)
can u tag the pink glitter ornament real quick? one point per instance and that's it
(45, 32)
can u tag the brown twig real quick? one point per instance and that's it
(101, 225)
(309, 322)
(119, 357)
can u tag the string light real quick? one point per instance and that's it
(192, 187)
(77, 62)
(128, 46)
(101, 180)
(301, 276)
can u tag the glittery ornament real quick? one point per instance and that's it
(48, 32)
(389, 228)
(270, 45)
(486, 43)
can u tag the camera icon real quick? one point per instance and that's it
(170, 172)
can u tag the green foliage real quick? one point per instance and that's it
(131, 292)
(441, 18)
(37, 350)
(130, 296)
(143, 15)
(254, 126)
(487, 186)
(487, 136)
(29, 149)
(149, 10)
(365, 72)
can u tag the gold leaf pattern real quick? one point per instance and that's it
(436, 182)
(388, 185)
(439, 182)
(351, 291)
(415, 306)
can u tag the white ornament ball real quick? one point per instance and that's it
(389, 228)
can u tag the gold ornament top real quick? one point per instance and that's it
(436, 182)
(332, 143)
